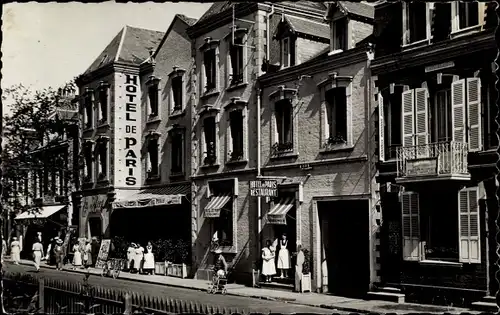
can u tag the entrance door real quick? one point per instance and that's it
(95, 227)
(347, 253)
(291, 235)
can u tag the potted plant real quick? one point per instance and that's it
(160, 251)
(177, 266)
(305, 278)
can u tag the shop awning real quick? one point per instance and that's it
(43, 213)
(277, 215)
(214, 206)
(153, 197)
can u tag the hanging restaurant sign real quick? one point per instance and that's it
(264, 188)
(276, 219)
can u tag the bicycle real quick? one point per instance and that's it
(112, 267)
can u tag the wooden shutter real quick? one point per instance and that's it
(407, 121)
(468, 225)
(474, 114)
(422, 116)
(410, 226)
(381, 125)
(458, 110)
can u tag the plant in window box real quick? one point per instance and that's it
(177, 266)
(235, 156)
(334, 140)
(236, 79)
(305, 279)
(282, 147)
(209, 88)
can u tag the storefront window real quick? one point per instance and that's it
(223, 225)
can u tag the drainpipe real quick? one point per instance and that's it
(259, 199)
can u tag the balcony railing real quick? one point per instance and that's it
(441, 158)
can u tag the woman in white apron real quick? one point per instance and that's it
(283, 257)
(15, 251)
(149, 260)
(268, 267)
(130, 256)
(77, 256)
(37, 254)
(139, 256)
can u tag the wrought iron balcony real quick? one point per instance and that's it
(432, 161)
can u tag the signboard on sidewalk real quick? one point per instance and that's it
(264, 188)
(102, 258)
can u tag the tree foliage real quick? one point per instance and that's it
(29, 130)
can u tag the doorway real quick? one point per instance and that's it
(95, 225)
(345, 230)
(290, 229)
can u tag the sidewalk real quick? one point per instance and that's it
(309, 299)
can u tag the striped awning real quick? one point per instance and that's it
(151, 197)
(277, 215)
(216, 203)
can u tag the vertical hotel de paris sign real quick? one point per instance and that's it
(128, 131)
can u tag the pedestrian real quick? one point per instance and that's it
(131, 256)
(49, 248)
(283, 257)
(52, 255)
(268, 266)
(59, 254)
(95, 250)
(139, 256)
(149, 260)
(77, 256)
(87, 254)
(37, 253)
(220, 264)
(299, 261)
(15, 251)
(4, 249)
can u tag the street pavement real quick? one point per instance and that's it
(248, 305)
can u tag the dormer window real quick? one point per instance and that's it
(153, 96)
(339, 35)
(287, 52)
(416, 22)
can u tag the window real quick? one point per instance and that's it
(442, 114)
(103, 105)
(416, 21)
(88, 110)
(223, 225)
(424, 220)
(153, 157)
(393, 125)
(336, 115)
(41, 183)
(288, 52)
(284, 125)
(209, 129)
(102, 159)
(491, 126)
(339, 35)
(177, 93)
(87, 155)
(236, 125)
(177, 152)
(236, 56)
(35, 184)
(468, 14)
(153, 99)
(209, 60)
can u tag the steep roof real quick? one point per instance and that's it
(131, 45)
(307, 27)
(189, 21)
(361, 9)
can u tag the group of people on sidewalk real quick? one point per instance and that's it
(84, 256)
(269, 261)
(140, 260)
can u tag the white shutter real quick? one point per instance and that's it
(468, 225)
(474, 114)
(422, 116)
(458, 110)
(410, 226)
(407, 121)
(381, 125)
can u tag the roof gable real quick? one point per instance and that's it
(178, 17)
(302, 27)
(108, 55)
(357, 10)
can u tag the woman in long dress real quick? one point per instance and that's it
(15, 251)
(149, 260)
(139, 256)
(130, 256)
(268, 267)
(87, 254)
(283, 257)
(77, 256)
(37, 254)
(59, 254)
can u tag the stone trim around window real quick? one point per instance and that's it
(88, 122)
(152, 135)
(406, 44)
(334, 81)
(172, 110)
(456, 31)
(282, 93)
(237, 104)
(239, 33)
(103, 86)
(208, 45)
(177, 130)
(150, 117)
(102, 141)
(206, 112)
(234, 248)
